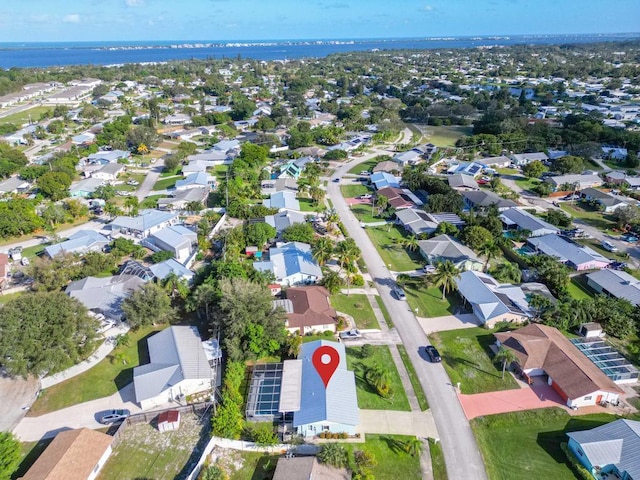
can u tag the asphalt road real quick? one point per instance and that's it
(461, 452)
(150, 180)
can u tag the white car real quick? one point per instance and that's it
(355, 333)
(429, 269)
(609, 247)
(24, 261)
(134, 183)
(365, 172)
(366, 196)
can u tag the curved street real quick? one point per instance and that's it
(461, 453)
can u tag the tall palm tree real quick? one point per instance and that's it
(489, 250)
(445, 277)
(203, 298)
(332, 281)
(175, 286)
(323, 250)
(316, 194)
(508, 272)
(411, 243)
(332, 219)
(506, 356)
(347, 252)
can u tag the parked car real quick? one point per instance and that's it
(399, 293)
(336, 180)
(24, 261)
(133, 183)
(365, 172)
(608, 246)
(572, 196)
(366, 196)
(113, 416)
(428, 269)
(354, 333)
(434, 355)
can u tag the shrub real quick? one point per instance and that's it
(357, 280)
(577, 466)
(333, 454)
(366, 351)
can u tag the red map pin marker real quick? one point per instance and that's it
(326, 360)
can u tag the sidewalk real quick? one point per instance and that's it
(100, 354)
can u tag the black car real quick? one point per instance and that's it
(434, 355)
(113, 416)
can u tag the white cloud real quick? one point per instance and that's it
(427, 8)
(71, 18)
(134, 3)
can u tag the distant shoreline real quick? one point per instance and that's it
(48, 54)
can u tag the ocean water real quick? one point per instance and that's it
(114, 53)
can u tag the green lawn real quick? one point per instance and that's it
(358, 306)
(592, 217)
(415, 383)
(467, 358)
(427, 301)
(351, 191)
(526, 445)
(385, 312)
(439, 468)
(364, 213)
(597, 246)
(166, 183)
(220, 171)
(151, 201)
(446, 136)
(388, 243)
(34, 250)
(578, 288)
(367, 396)
(29, 453)
(307, 205)
(20, 118)
(252, 466)
(171, 173)
(393, 461)
(104, 379)
(527, 183)
(138, 177)
(366, 166)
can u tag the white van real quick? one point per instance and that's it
(608, 246)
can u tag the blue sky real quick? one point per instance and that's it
(120, 20)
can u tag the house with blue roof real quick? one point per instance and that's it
(383, 180)
(176, 239)
(317, 408)
(576, 256)
(163, 269)
(291, 264)
(466, 168)
(294, 168)
(227, 146)
(80, 242)
(282, 200)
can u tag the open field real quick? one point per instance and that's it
(104, 379)
(20, 118)
(445, 136)
(351, 191)
(368, 398)
(595, 219)
(466, 358)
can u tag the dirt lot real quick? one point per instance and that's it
(15, 395)
(147, 453)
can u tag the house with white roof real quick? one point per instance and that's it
(492, 301)
(466, 168)
(195, 166)
(109, 172)
(575, 256)
(615, 283)
(460, 181)
(178, 366)
(85, 188)
(576, 182)
(104, 295)
(284, 219)
(110, 156)
(171, 266)
(282, 200)
(14, 185)
(178, 240)
(291, 264)
(383, 180)
(526, 158)
(79, 242)
(143, 225)
(198, 179)
(500, 161)
(521, 220)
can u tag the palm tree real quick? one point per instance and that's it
(411, 243)
(413, 446)
(175, 286)
(132, 204)
(347, 252)
(332, 219)
(332, 281)
(445, 277)
(316, 194)
(333, 454)
(489, 250)
(323, 250)
(506, 356)
(379, 379)
(508, 272)
(203, 297)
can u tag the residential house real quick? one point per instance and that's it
(521, 159)
(615, 177)
(267, 187)
(177, 367)
(72, 455)
(177, 119)
(545, 351)
(472, 169)
(308, 310)
(500, 161)
(483, 199)
(284, 219)
(211, 157)
(195, 166)
(291, 264)
(104, 295)
(228, 146)
(556, 154)
(615, 283)
(445, 248)
(307, 468)
(176, 239)
(632, 183)
(574, 182)
(610, 451)
(85, 138)
(79, 242)
(317, 407)
(399, 198)
(460, 181)
(108, 156)
(294, 168)
(415, 155)
(382, 180)
(523, 221)
(491, 301)
(575, 256)
(85, 188)
(387, 167)
(171, 266)
(14, 185)
(416, 222)
(283, 200)
(615, 153)
(109, 172)
(141, 226)
(607, 202)
(194, 180)
(180, 199)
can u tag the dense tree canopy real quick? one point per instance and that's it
(148, 306)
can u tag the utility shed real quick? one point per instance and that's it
(169, 420)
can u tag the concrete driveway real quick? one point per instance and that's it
(32, 429)
(449, 322)
(16, 395)
(418, 424)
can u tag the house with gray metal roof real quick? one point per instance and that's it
(576, 182)
(609, 451)
(284, 219)
(176, 239)
(177, 367)
(519, 219)
(483, 199)
(194, 180)
(291, 264)
(416, 221)
(443, 247)
(179, 199)
(86, 187)
(317, 408)
(607, 201)
(492, 301)
(144, 224)
(282, 200)
(576, 256)
(80, 242)
(615, 283)
(104, 295)
(526, 158)
(461, 181)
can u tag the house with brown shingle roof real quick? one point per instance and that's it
(543, 350)
(397, 197)
(72, 455)
(309, 310)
